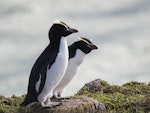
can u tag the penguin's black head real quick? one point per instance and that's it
(60, 29)
(85, 45)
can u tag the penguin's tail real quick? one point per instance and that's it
(23, 103)
(28, 100)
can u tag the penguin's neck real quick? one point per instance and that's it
(79, 57)
(72, 50)
(63, 46)
(55, 42)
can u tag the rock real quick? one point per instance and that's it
(70, 105)
(95, 86)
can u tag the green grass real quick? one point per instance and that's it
(132, 97)
(128, 98)
(10, 105)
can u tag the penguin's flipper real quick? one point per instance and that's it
(44, 68)
(32, 93)
(43, 79)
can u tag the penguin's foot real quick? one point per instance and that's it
(64, 98)
(54, 98)
(51, 104)
(57, 96)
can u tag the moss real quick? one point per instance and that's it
(84, 90)
(117, 101)
(137, 88)
(112, 89)
(2, 97)
(10, 105)
(104, 83)
(132, 97)
(128, 98)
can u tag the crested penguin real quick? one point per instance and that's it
(77, 52)
(50, 66)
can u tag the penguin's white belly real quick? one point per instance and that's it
(57, 70)
(72, 69)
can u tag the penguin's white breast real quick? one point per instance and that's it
(72, 68)
(58, 68)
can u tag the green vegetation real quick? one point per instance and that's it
(132, 97)
(10, 105)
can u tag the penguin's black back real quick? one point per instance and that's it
(47, 58)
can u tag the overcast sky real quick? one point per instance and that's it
(120, 28)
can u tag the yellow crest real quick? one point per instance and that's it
(61, 23)
(81, 39)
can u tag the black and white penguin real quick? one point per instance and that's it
(50, 66)
(77, 52)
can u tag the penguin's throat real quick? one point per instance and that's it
(79, 57)
(63, 48)
(56, 43)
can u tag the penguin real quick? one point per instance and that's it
(77, 52)
(50, 66)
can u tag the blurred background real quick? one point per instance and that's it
(120, 28)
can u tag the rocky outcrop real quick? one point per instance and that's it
(76, 104)
(132, 97)
(70, 105)
(94, 97)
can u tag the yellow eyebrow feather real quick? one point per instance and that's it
(61, 23)
(78, 39)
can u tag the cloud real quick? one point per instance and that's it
(119, 28)
(8, 9)
(120, 8)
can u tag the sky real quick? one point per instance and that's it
(120, 29)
